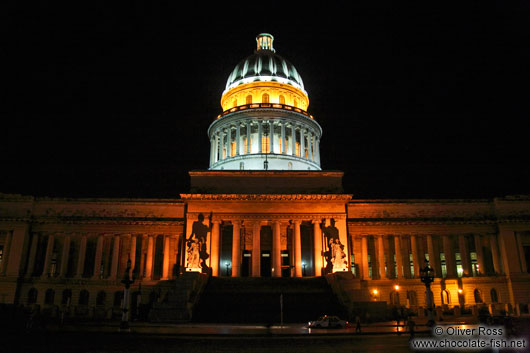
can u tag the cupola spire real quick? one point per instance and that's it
(265, 42)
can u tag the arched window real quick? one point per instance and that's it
(49, 296)
(67, 296)
(394, 297)
(494, 296)
(446, 297)
(100, 299)
(281, 99)
(83, 297)
(249, 99)
(478, 296)
(241, 165)
(118, 297)
(32, 296)
(290, 166)
(265, 98)
(411, 297)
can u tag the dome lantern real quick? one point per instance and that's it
(264, 41)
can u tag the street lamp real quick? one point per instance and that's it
(303, 269)
(227, 264)
(427, 277)
(127, 281)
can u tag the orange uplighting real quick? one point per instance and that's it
(375, 291)
(396, 287)
(459, 291)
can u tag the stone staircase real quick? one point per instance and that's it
(257, 300)
(179, 298)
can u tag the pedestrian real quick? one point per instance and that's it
(357, 324)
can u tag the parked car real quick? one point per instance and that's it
(328, 322)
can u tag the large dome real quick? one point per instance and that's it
(264, 65)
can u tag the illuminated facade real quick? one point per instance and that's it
(246, 218)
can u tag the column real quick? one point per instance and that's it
(317, 150)
(364, 251)
(49, 254)
(32, 254)
(399, 258)
(212, 150)
(7, 244)
(309, 146)
(221, 152)
(236, 248)
(248, 138)
(238, 138)
(415, 260)
(149, 258)
(297, 249)
(132, 254)
(495, 253)
(450, 262)
(97, 261)
(381, 256)
(217, 142)
(214, 251)
(64, 256)
(293, 140)
(115, 257)
(480, 254)
(464, 255)
(317, 232)
(276, 250)
(284, 141)
(256, 249)
(260, 132)
(165, 264)
(81, 258)
(271, 134)
(432, 257)
(17, 243)
(302, 142)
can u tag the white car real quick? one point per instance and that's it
(328, 322)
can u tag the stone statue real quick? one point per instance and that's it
(196, 244)
(334, 250)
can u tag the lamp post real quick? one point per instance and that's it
(427, 277)
(227, 267)
(303, 269)
(127, 281)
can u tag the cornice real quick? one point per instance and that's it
(266, 197)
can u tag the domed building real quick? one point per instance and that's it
(264, 124)
(263, 221)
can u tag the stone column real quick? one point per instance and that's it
(480, 254)
(399, 258)
(284, 141)
(214, 251)
(222, 154)
(309, 145)
(236, 248)
(238, 138)
(248, 138)
(64, 256)
(49, 254)
(415, 260)
(32, 254)
(464, 255)
(7, 245)
(81, 258)
(212, 150)
(364, 251)
(381, 256)
(132, 254)
(495, 253)
(115, 257)
(217, 142)
(317, 232)
(317, 150)
(260, 132)
(450, 264)
(97, 258)
(165, 264)
(293, 140)
(276, 250)
(256, 249)
(149, 258)
(297, 249)
(432, 257)
(302, 142)
(271, 134)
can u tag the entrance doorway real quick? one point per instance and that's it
(286, 264)
(266, 263)
(246, 263)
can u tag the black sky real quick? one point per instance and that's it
(415, 100)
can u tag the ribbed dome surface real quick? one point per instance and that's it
(264, 65)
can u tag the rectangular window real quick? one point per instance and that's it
(443, 265)
(369, 266)
(411, 266)
(459, 268)
(474, 263)
(1, 254)
(233, 151)
(298, 149)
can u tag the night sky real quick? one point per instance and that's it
(415, 100)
